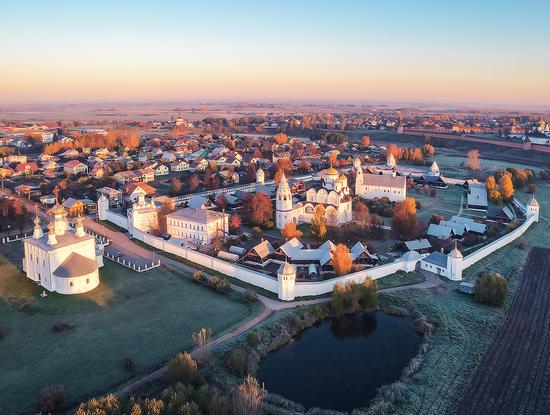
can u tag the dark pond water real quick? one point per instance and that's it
(340, 363)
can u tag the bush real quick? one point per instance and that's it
(198, 276)
(253, 338)
(491, 289)
(104, 405)
(250, 296)
(219, 284)
(52, 399)
(248, 397)
(182, 368)
(238, 362)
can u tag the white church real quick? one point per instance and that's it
(63, 261)
(370, 186)
(334, 195)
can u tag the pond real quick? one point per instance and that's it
(339, 363)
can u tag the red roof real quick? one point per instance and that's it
(26, 166)
(130, 187)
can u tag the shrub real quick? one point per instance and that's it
(104, 405)
(248, 397)
(219, 284)
(250, 296)
(202, 337)
(253, 338)
(491, 289)
(175, 396)
(182, 368)
(238, 362)
(218, 405)
(198, 276)
(52, 399)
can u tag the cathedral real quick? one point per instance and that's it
(62, 261)
(334, 195)
(370, 186)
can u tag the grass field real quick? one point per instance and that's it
(400, 279)
(148, 317)
(445, 203)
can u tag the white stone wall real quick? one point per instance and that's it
(116, 218)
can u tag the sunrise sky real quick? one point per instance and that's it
(466, 52)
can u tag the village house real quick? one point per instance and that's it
(26, 169)
(199, 226)
(113, 196)
(75, 167)
(133, 190)
(179, 165)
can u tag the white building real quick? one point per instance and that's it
(142, 216)
(370, 186)
(334, 195)
(199, 226)
(62, 261)
(449, 266)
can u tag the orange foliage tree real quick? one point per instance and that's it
(291, 231)
(365, 141)
(506, 187)
(261, 209)
(473, 161)
(341, 259)
(280, 138)
(404, 222)
(234, 222)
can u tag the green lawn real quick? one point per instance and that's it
(148, 317)
(446, 202)
(400, 279)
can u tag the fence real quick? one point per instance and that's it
(131, 265)
(13, 238)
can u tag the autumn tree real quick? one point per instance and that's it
(193, 182)
(341, 259)
(166, 208)
(493, 193)
(221, 202)
(318, 227)
(473, 162)
(234, 222)
(291, 231)
(365, 141)
(506, 187)
(361, 214)
(333, 159)
(176, 186)
(251, 172)
(428, 150)
(394, 151)
(261, 210)
(404, 221)
(304, 165)
(283, 164)
(280, 138)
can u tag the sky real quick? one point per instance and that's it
(468, 52)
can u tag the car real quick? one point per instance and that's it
(118, 255)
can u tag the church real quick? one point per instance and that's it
(334, 195)
(370, 186)
(63, 261)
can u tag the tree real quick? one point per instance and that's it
(280, 138)
(318, 227)
(248, 397)
(193, 182)
(394, 151)
(365, 141)
(304, 165)
(251, 172)
(341, 260)
(291, 231)
(166, 208)
(404, 221)
(283, 164)
(473, 162)
(361, 214)
(261, 209)
(428, 150)
(491, 289)
(333, 159)
(506, 187)
(234, 222)
(221, 202)
(202, 337)
(182, 369)
(176, 186)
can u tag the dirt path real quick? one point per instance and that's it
(514, 376)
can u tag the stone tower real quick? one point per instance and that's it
(102, 207)
(286, 278)
(260, 176)
(533, 209)
(434, 169)
(283, 203)
(358, 177)
(454, 264)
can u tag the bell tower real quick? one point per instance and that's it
(283, 203)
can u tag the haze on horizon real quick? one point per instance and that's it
(469, 52)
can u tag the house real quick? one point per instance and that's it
(259, 254)
(199, 226)
(179, 165)
(161, 170)
(27, 191)
(449, 266)
(500, 214)
(422, 246)
(200, 202)
(50, 165)
(133, 190)
(477, 196)
(99, 171)
(113, 196)
(26, 168)
(75, 167)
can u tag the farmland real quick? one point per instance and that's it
(513, 376)
(147, 317)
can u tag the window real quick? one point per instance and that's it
(87, 280)
(71, 283)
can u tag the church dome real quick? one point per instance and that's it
(331, 171)
(58, 209)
